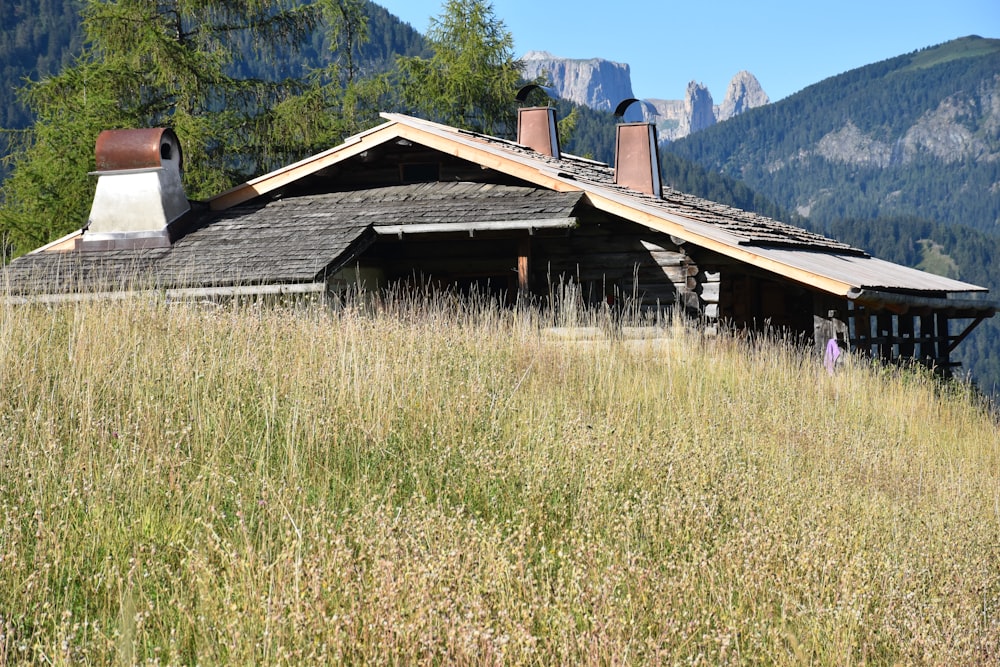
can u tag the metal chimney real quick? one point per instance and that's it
(536, 126)
(536, 129)
(139, 191)
(637, 156)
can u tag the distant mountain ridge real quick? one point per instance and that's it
(601, 84)
(915, 135)
(592, 82)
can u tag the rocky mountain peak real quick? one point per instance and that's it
(698, 107)
(601, 84)
(744, 93)
(594, 82)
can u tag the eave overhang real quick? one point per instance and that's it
(959, 306)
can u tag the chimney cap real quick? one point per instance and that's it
(145, 148)
(522, 94)
(623, 107)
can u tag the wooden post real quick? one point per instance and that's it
(944, 356)
(863, 330)
(829, 322)
(523, 264)
(885, 336)
(928, 338)
(905, 336)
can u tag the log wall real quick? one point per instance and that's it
(612, 263)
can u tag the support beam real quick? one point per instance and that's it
(962, 336)
(524, 264)
(928, 337)
(944, 352)
(863, 330)
(906, 346)
(886, 336)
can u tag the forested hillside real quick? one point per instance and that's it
(899, 158)
(388, 37)
(592, 135)
(39, 37)
(915, 135)
(953, 250)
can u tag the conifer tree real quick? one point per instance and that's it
(472, 77)
(148, 64)
(339, 99)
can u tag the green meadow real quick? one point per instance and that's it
(434, 481)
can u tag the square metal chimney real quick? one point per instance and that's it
(637, 158)
(536, 129)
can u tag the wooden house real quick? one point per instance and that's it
(415, 200)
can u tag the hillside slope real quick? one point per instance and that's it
(37, 37)
(443, 483)
(901, 158)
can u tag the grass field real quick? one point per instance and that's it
(438, 483)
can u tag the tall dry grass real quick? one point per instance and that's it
(433, 482)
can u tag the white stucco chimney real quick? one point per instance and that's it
(139, 191)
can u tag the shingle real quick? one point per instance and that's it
(296, 239)
(752, 229)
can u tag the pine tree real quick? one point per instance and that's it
(472, 77)
(339, 100)
(148, 64)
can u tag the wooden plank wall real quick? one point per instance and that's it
(616, 262)
(743, 298)
(612, 263)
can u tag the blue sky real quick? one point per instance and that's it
(787, 44)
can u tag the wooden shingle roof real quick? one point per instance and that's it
(282, 241)
(747, 228)
(784, 250)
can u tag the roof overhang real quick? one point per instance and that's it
(959, 306)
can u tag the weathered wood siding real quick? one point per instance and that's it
(618, 261)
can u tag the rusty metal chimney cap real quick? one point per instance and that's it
(623, 107)
(147, 148)
(522, 94)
